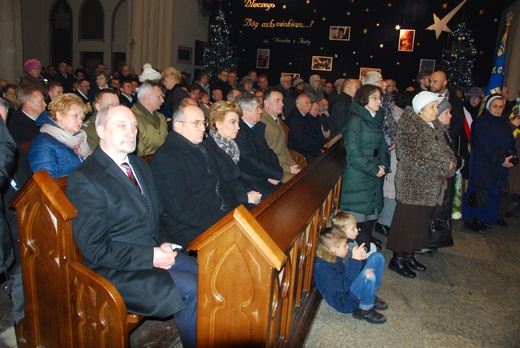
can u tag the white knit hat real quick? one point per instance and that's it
(422, 99)
(149, 73)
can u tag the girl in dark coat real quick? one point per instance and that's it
(492, 149)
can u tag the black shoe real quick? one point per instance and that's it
(413, 263)
(398, 265)
(380, 304)
(502, 223)
(377, 242)
(483, 226)
(474, 225)
(372, 316)
(382, 229)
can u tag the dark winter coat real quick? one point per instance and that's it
(190, 187)
(305, 136)
(423, 161)
(7, 150)
(333, 281)
(491, 138)
(362, 191)
(339, 111)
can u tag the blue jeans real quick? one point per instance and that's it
(185, 272)
(365, 288)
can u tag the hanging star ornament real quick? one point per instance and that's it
(441, 25)
(397, 27)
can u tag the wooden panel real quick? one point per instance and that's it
(255, 268)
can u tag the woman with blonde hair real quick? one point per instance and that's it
(61, 145)
(172, 80)
(223, 129)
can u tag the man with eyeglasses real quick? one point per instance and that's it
(189, 184)
(222, 83)
(150, 122)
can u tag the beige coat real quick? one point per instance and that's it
(276, 139)
(152, 129)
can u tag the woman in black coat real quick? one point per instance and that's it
(224, 126)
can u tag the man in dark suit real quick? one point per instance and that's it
(118, 232)
(66, 79)
(258, 163)
(22, 124)
(222, 83)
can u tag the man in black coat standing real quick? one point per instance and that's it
(118, 231)
(339, 106)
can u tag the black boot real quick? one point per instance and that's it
(413, 263)
(366, 228)
(398, 265)
(382, 229)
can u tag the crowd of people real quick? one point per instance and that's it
(217, 144)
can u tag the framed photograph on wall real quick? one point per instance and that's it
(363, 71)
(184, 54)
(262, 58)
(406, 40)
(339, 33)
(427, 65)
(321, 63)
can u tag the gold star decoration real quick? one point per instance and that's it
(440, 25)
(445, 5)
(481, 12)
(381, 46)
(284, 7)
(365, 31)
(397, 27)
(389, 4)
(366, 10)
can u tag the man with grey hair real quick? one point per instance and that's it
(258, 163)
(150, 122)
(118, 229)
(289, 99)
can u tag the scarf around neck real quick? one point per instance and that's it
(76, 142)
(229, 146)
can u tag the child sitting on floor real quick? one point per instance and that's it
(349, 288)
(348, 224)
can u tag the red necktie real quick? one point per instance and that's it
(130, 175)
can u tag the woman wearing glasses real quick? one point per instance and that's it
(367, 160)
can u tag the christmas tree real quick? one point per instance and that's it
(218, 54)
(458, 60)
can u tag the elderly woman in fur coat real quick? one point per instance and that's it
(425, 161)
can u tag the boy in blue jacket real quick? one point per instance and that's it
(349, 288)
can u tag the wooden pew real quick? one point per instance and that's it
(255, 268)
(255, 280)
(66, 303)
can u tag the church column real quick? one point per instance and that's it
(11, 50)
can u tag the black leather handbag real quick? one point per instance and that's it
(478, 198)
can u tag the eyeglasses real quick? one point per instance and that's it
(375, 98)
(197, 123)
